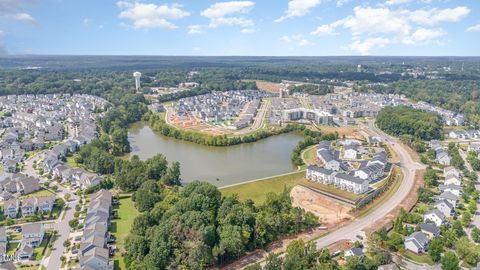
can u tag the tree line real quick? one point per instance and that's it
(157, 123)
(403, 120)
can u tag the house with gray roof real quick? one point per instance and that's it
(417, 242)
(430, 230)
(435, 216)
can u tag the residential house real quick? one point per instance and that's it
(450, 197)
(32, 234)
(45, 204)
(442, 157)
(96, 258)
(11, 207)
(450, 170)
(430, 230)
(452, 188)
(328, 160)
(29, 206)
(417, 242)
(435, 216)
(25, 252)
(452, 179)
(444, 206)
(357, 252)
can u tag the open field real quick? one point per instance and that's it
(126, 212)
(349, 132)
(258, 190)
(268, 86)
(329, 211)
(330, 189)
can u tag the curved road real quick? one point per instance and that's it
(408, 167)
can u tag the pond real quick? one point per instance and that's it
(220, 166)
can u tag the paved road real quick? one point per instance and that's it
(63, 229)
(258, 121)
(61, 225)
(408, 167)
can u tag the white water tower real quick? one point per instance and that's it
(137, 76)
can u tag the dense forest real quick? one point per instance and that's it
(194, 227)
(404, 120)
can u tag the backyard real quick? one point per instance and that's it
(258, 190)
(126, 213)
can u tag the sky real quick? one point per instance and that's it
(254, 28)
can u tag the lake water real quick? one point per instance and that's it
(220, 166)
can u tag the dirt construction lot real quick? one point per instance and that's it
(349, 132)
(331, 213)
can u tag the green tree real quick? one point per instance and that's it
(450, 261)
(476, 234)
(435, 249)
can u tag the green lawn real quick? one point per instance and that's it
(310, 155)
(39, 251)
(418, 258)
(15, 236)
(120, 227)
(39, 193)
(72, 163)
(258, 190)
(12, 248)
(331, 189)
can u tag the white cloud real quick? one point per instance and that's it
(435, 16)
(23, 17)
(195, 29)
(297, 39)
(323, 30)
(397, 2)
(376, 20)
(401, 2)
(145, 16)
(226, 14)
(229, 13)
(473, 28)
(247, 31)
(364, 47)
(423, 36)
(380, 26)
(298, 8)
(342, 2)
(13, 10)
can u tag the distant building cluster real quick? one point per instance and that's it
(31, 121)
(234, 109)
(464, 134)
(342, 108)
(337, 171)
